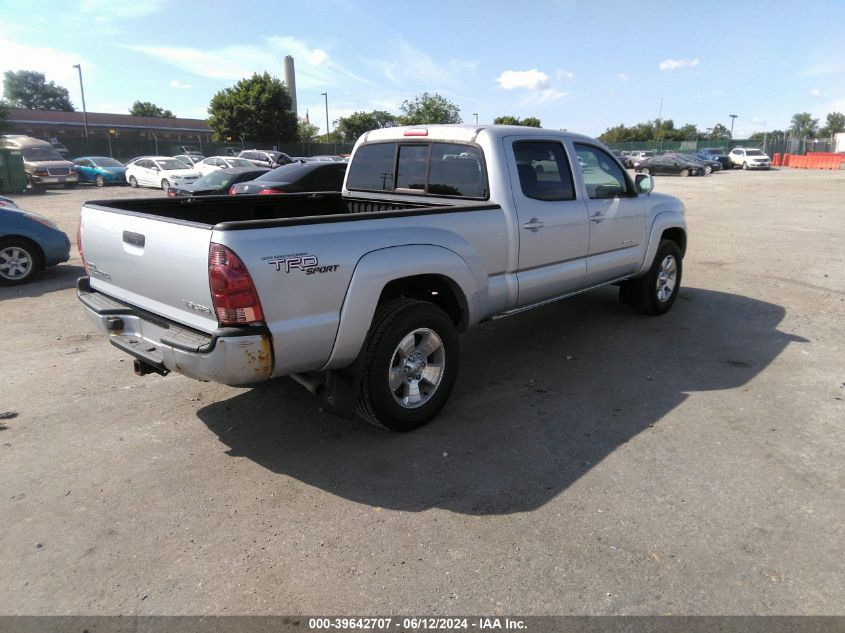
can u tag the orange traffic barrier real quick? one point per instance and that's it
(776, 159)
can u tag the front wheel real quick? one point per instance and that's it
(684, 173)
(410, 365)
(18, 262)
(744, 166)
(656, 291)
(165, 185)
(707, 170)
(100, 181)
(645, 170)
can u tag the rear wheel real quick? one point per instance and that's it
(18, 261)
(645, 170)
(656, 291)
(410, 366)
(133, 182)
(745, 166)
(684, 173)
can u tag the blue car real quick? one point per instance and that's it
(101, 170)
(28, 243)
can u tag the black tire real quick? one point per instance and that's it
(19, 261)
(683, 173)
(644, 170)
(397, 321)
(165, 185)
(133, 182)
(645, 293)
(100, 181)
(744, 166)
(707, 170)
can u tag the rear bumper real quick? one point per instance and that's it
(232, 356)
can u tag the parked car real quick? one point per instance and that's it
(708, 165)
(669, 165)
(327, 157)
(360, 294)
(217, 182)
(640, 155)
(189, 150)
(43, 164)
(7, 202)
(715, 153)
(28, 243)
(189, 159)
(296, 177)
(749, 158)
(213, 163)
(265, 158)
(159, 171)
(620, 157)
(100, 170)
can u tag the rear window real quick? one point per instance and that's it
(286, 173)
(441, 169)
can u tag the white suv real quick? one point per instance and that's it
(749, 158)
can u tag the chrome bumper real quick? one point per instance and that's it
(232, 356)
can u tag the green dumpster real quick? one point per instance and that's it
(12, 174)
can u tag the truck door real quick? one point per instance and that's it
(617, 216)
(552, 220)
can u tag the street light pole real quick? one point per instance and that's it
(84, 111)
(326, 95)
(733, 118)
(475, 114)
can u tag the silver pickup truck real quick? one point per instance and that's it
(360, 294)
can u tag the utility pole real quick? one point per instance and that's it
(328, 132)
(733, 118)
(84, 111)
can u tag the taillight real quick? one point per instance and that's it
(79, 245)
(171, 193)
(232, 191)
(269, 192)
(233, 294)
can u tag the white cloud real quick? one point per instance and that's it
(175, 83)
(623, 77)
(675, 64)
(409, 65)
(314, 67)
(56, 65)
(815, 92)
(523, 79)
(564, 74)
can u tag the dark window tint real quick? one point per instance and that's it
(372, 168)
(602, 175)
(331, 178)
(543, 169)
(412, 168)
(456, 171)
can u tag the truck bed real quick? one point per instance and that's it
(249, 212)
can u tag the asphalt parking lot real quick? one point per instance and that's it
(590, 460)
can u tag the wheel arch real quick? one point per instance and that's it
(39, 252)
(392, 273)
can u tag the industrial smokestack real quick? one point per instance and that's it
(290, 81)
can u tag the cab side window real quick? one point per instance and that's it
(544, 171)
(602, 174)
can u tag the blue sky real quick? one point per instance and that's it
(579, 65)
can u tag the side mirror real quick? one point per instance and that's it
(644, 183)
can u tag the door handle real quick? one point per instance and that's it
(533, 224)
(597, 218)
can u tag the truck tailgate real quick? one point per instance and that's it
(157, 265)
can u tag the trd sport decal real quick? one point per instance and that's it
(309, 264)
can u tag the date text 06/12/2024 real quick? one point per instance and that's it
(416, 624)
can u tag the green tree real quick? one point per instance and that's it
(257, 109)
(804, 125)
(688, 132)
(31, 90)
(353, 126)
(835, 123)
(146, 108)
(508, 119)
(4, 114)
(719, 132)
(306, 131)
(428, 109)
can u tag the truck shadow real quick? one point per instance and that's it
(541, 399)
(49, 280)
